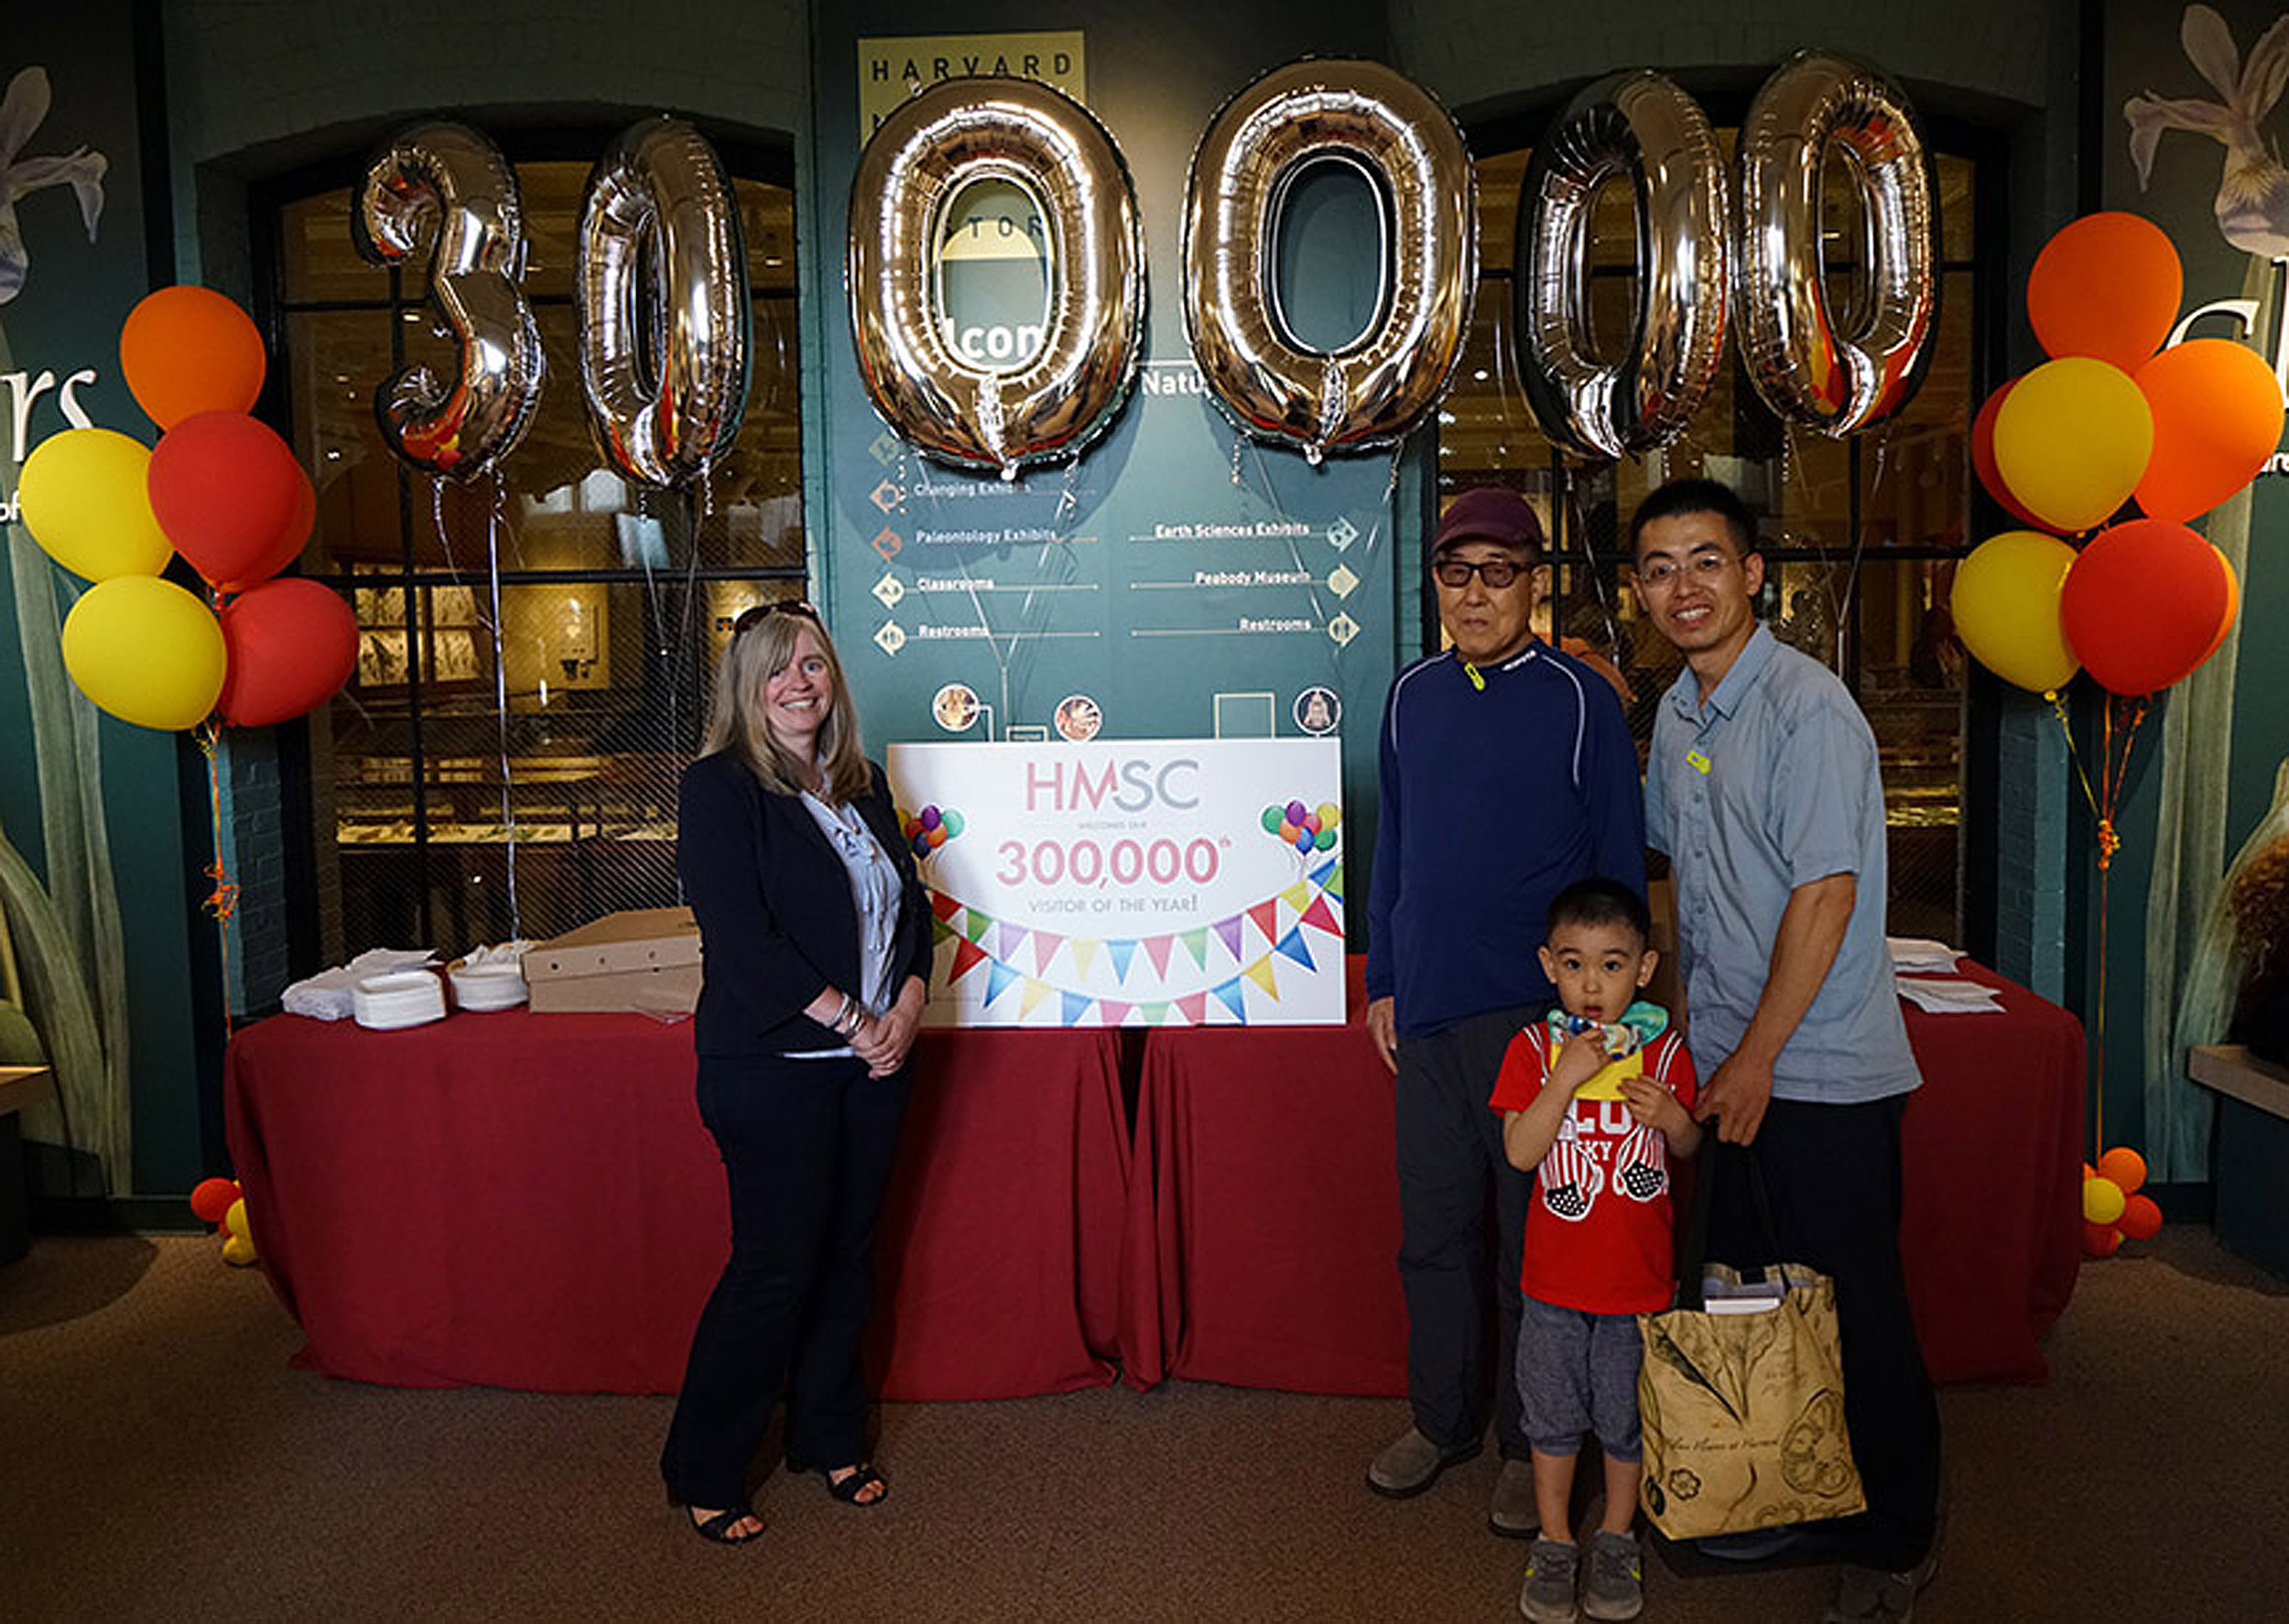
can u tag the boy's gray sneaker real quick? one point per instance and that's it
(1615, 1588)
(1870, 1593)
(1548, 1598)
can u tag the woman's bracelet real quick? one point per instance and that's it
(836, 1022)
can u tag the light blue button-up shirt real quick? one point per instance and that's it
(1772, 784)
(875, 891)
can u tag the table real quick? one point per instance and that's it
(1264, 1223)
(531, 1201)
(21, 1087)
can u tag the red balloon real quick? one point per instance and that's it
(232, 498)
(2141, 1220)
(292, 645)
(2101, 1240)
(2217, 419)
(1983, 462)
(211, 1198)
(2142, 604)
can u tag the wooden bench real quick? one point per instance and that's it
(21, 1087)
(2249, 1154)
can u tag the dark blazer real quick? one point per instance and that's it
(776, 923)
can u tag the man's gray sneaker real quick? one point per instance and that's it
(1412, 1464)
(1548, 1598)
(1512, 1512)
(1615, 1585)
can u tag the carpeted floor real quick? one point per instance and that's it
(159, 1459)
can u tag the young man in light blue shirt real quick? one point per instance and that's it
(1761, 787)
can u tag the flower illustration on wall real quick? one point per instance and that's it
(21, 113)
(2252, 204)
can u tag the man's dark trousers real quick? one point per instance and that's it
(1450, 1163)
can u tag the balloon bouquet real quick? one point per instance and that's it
(2141, 601)
(222, 490)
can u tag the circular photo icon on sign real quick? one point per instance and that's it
(1318, 710)
(1078, 719)
(955, 707)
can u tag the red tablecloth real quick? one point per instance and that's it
(1264, 1223)
(530, 1201)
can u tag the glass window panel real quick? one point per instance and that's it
(335, 360)
(316, 240)
(767, 214)
(1957, 218)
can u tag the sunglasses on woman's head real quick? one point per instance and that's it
(757, 615)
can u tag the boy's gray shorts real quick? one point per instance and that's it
(1577, 1374)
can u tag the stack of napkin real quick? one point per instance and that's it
(1922, 969)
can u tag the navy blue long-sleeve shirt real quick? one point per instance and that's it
(1494, 801)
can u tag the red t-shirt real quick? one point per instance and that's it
(1598, 1227)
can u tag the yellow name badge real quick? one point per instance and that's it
(1607, 1083)
(1696, 761)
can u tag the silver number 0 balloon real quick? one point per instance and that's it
(664, 337)
(1641, 126)
(448, 184)
(1372, 391)
(926, 153)
(1835, 374)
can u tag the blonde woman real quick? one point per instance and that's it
(817, 944)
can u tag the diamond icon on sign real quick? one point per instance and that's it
(1342, 534)
(889, 589)
(886, 448)
(1342, 628)
(887, 496)
(1343, 583)
(890, 638)
(888, 544)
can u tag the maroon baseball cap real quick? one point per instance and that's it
(1488, 513)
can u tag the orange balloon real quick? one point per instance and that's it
(2125, 1167)
(2217, 417)
(2233, 608)
(184, 351)
(2106, 286)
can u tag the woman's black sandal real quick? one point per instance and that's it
(717, 1530)
(862, 1478)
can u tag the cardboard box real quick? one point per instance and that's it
(644, 963)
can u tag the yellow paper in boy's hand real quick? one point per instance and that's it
(1607, 1083)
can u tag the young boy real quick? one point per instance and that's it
(1593, 1101)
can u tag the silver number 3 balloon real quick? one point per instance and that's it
(1640, 125)
(935, 146)
(1834, 373)
(1373, 390)
(664, 334)
(448, 184)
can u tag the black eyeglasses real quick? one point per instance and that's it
(1496, 573)
(755, 614)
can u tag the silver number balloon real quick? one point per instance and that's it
(1373, 390)
(1641, 126)
(930, 150)
(665, 333)
(1836, 373)
(447, 185)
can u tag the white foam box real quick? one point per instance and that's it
(643, 961)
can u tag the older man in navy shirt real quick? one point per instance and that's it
(1507, 773)
(1762, 786)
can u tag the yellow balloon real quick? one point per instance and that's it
(2102, 1200)
(145, 650)
(85, 502)
(1329, 814)
(238, 1252)
(2072, 439)
(235, 1220)
(2006, 608)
